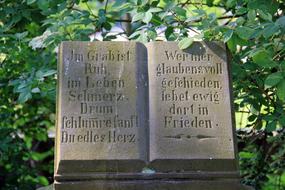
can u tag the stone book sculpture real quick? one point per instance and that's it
(140, 116)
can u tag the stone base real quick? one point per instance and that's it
(225, 184)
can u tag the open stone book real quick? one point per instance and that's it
(127, 107)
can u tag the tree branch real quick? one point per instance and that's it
(90, 10)
(123, 20)
(199, 20)
(106, 6)
(186, 3)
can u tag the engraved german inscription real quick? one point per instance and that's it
(100, 112)
(154, 106)
(190, 102)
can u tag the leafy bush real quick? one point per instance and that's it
(254, 31)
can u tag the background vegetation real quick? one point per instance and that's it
(30, 31)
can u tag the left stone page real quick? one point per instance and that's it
(101, 108)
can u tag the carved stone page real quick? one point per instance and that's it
(190, 108)
(101, 109)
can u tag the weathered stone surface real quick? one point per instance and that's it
(101, 109)
(50, 187)
(153, 185)
(131, 118)
(191, 124)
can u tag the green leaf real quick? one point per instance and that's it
(252, 118)
(37, 156)
(155, 10)
(138, 16)
(152, 34)
(169, 31)
(49, 72)
(246, 155)
(107, 26)
(255, 108)
(263, 59)
(271, 126)
(143, 2)
(282, 64)
(102, 16)
(41, 136)
(135, 34)
(42, 180)
(39, 41)
(209, 2)
(22, 85)
(282, 121)
(142, 37)
(273, 80)
(227, 35)
(270, 30)
(24, 96)
(31, 1)
(241, 10)
(231, 3)
(269, 118)
(245, 32)
(180, 11)
(43, 4)
(36, 90)
(281, 22)
(185, 43)
(194, 18)
(264, 5)
(147, 17)
(251, 15)
(281, 90)
(240, 21)
(156, 20)
(264, 16)
(42, 73)
(20, 36)
(200, 12)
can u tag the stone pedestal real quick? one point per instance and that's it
(156, 181)
(221, 184)
(143, 117)
(169, 184)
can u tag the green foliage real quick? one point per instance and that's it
(27, 98)
(30, 31)
(185, 43)
(263, 158)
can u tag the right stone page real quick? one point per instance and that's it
(190, 109)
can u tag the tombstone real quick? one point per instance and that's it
(144, 117)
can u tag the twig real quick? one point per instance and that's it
(241, 111)
(230, 19)
(198, 20)
(186, 3)
(183, 23)
(106, 6)
(194, 30)
(76, 9)
(279, 53)
(122, 20)
(90, 10)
